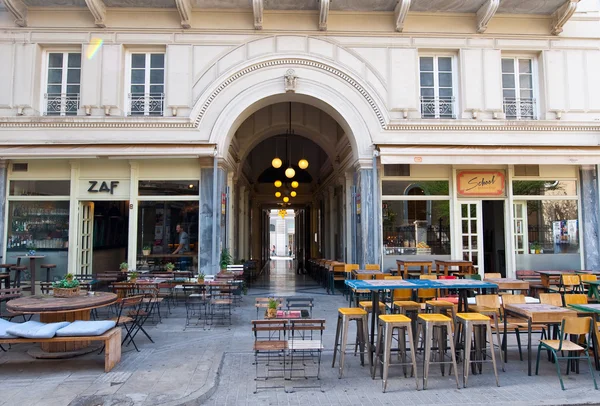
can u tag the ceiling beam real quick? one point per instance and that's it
(185, 12)
(19, 11)
(562, 15)
(257, 8)
(323, 14)
(485, 14)
(98, 10)
(400, 13)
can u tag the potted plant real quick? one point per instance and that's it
(226, 259)
(201, 277)
(31, 249)
(535, 248)
(66, 287)
(272, 308)
(170, 267)
(133, 276)
(147, 249)
(124, 266)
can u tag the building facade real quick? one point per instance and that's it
(433, 129)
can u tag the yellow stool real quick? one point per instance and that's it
(468, 321)
(410, 309)
(433, 325)
(368, 305)
(345, 315)
(385, 331)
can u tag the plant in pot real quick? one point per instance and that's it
(133, 276)
(124, 266)
(67, 287)
(170, 267)
(272, 308)
(201, 277)
(31, 249)
(146, 249)
(535, 248)
(226, 259)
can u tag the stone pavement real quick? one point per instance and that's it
(213, 366)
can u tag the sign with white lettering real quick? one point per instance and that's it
(480, 183)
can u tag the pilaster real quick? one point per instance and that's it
(3, 204)
(589, 214)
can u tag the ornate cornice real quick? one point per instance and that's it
(400, 13)
(93, 124)
(257, 9)
(98, 10)
(19, 11)
(562, 15)
(323, 14)
(541, 127)
(485, 14)
(302, 62)
(185, 12)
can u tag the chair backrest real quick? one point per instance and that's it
(554, 299)
(269, 327)
(351, 267)
(263, 302)
(513, 299)
(364, 277)
(372, 267)
(307, 325)
(585, 277)
(576, 325)
(569, 280)
(380, 276)
(339, 268)
(427, 293)
(493, 275)
(299, 302)
(129, 306)
(492, 301)
(578, 298)
(399, 294)
(10, 293)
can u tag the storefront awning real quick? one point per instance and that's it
(112, 151)
(488, 155)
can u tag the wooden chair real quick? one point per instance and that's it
(426, 294)
(492, 275)
(270, 343)
(554, 299)
(574, 326)
(302, 344)
(299, 302)
(348, 268)
(569, 283)
(577, 298)
(338, 273)
(372, 267)
(357, 293)
(128, 305)
(7, 295)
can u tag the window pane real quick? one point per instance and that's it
(54, 76)
(74, 61)
(509, 94)
(426, 64)
(508, 81)
(416, 227)
(426, 79)
(427, 92)
(73, 89)
(446, 93)
(40, 188)
(55, 60)
(157, 89)
(53, 89)
(553, 225)
(445, 64)
(137, 76)
(168, 187)
(157, 61)
(138, 60)
(157, 76)
(525, 82)
(545, 188)
(526, 94)
(508, 65)
(415, 188)
(445, 80)
(73, 76)
(138, 89)
(525, 65)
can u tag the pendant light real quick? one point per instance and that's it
(286, 199)
(278, 183)
(277, 194)
(295, 184)
(293, 193)
(276, 162)
(289, 172)
(303, 163)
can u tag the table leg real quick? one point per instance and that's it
(374, 316)
(504, 338)
(32, 272)
(529, 346)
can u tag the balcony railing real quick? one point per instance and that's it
(519, 109)
(61, 104)
(146, 104)
(442, 107)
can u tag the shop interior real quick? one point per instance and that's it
(110, 235)
(494, 251)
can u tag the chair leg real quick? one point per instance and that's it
(518, 334)
(336, 342)
(491, 340)
(558, 370)
(537, 362)
(589, 361)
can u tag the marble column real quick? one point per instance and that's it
(589, 230)
(3, 186)
(207, 212)
(367, 200)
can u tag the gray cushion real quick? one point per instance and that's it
(86, 328)
(35, 329)
(4, 324)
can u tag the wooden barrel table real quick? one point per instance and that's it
(55, 309)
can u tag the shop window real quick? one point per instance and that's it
(437, 87)
(545, 188)
(147, 84)
(430, 188)
(63, 84)
(168, 187)
(39, 188)
(396, 170)
(517, 88)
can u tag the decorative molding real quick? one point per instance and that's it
(562, 15)
(19, 11)
(485, 14)
(185, 12)
(93, 124)
(493, 128)
(302, 62)
(257, 9)
(323, 14)
(98, 10)
(290, 81)
(400, 13)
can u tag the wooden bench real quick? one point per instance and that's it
(111, 339)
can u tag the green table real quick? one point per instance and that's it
(595, 309)
(593, 290)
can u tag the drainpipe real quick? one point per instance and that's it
(375, 209)
(215, 211)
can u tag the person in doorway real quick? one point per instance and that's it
(184, 241)
(273, 251)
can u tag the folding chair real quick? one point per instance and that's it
(196, 302)
(300, 303)
(127, 306)
(271, 349)
(304, 347)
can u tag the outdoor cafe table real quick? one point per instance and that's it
(535, 314)
(545, 275)
(31, 259)
(464, 267)
(375, 286)
(404, 264)
(509, 284)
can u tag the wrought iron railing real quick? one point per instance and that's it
(437, 107)
(519, 109)
(146, 104)
(61, 104)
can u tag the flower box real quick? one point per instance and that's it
(66, 292)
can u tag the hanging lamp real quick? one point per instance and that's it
(276, 162)
(289, 172)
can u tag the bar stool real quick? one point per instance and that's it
(441, 307)
(345, 315)
(432, 325)
(48, 268)
(410, 309)
(385, 330)
(18, 270)
(470, 322)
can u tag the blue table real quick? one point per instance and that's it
(375, 286)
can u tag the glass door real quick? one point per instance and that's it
(471, 231)
(520, 223)
(86, 232)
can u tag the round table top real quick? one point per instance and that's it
(51, 304)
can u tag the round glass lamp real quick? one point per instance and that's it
(286, 199)
(277, 194)
(293, 193)
(290, 172)
(295, 184)
(303, 163)
(276, 162)
(277, 183)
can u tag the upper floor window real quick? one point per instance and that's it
(437, 87)
(147, 84)
(63, 84)
(517, 88)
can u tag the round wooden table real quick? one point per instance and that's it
(55, 309)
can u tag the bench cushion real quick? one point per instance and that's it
(35, 329)
(81, 328)
(4, 324)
